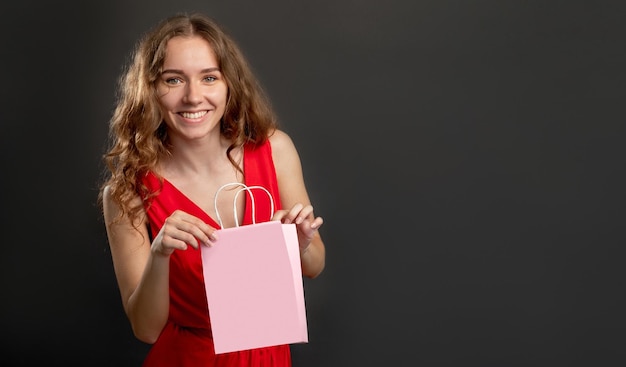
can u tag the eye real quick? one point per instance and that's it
(210, 79)
(173, 81)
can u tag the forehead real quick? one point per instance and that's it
(187, 51)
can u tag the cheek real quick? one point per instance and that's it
(219, 96)
(162, 90)
(167, 100)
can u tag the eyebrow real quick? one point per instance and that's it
(176, 71)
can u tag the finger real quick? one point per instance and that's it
(293, 213)
(208, 233)
(202, 231)
(169, 242)
(189, 229)
(165, 244)
(317, 223)
(305, 213)
(279, 215)
(181, 232)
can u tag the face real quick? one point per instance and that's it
(192, 91)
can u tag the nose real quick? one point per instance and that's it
(193, 93)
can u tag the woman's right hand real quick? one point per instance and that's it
(179, 231)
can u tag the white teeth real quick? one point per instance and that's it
(194, 115)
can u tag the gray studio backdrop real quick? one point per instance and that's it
(467, 157)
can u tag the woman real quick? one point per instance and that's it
(190, 118)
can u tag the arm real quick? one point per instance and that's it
(296, 204)
(142, 269)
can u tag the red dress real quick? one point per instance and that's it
(186, 340)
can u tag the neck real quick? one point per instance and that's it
(205, 157)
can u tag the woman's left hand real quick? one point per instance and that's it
(306, 223)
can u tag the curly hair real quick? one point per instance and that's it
(137, 132)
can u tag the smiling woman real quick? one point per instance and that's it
(191, 118)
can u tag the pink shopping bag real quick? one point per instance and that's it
(253, 281)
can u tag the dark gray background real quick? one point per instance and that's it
(467, 156)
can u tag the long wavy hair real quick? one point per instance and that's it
(137, 132)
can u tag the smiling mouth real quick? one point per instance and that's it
(193, 115)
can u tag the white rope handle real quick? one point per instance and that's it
(252, 201)
(248, 188)
(217, 213)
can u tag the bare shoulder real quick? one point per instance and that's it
(107, 198)
(112, 210)
(110, 207)
(106, 192)
(281, 141)
(284, 151)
